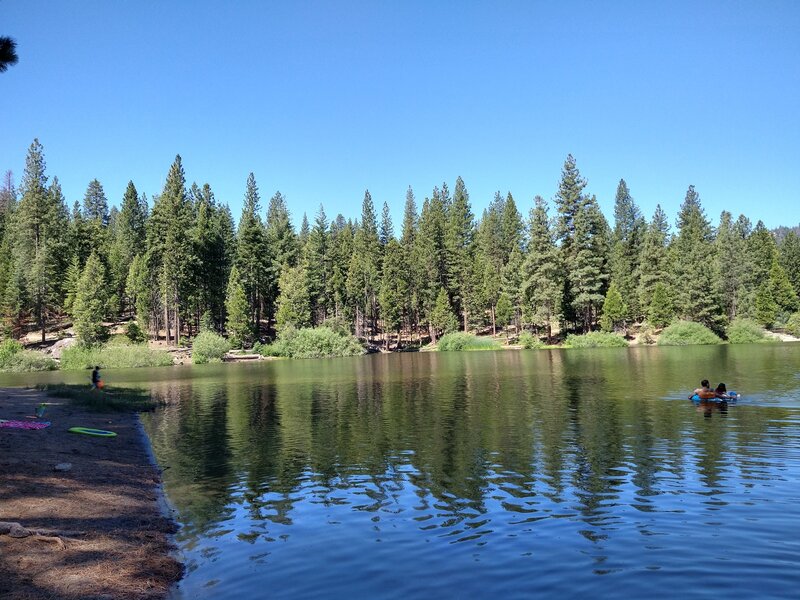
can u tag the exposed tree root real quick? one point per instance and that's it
(15, 530)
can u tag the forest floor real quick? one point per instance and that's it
(100, 529)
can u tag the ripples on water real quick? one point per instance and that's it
(504, 474)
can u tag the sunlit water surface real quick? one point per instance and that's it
(563, 474)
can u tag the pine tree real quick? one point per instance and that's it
(654, 265)
(253, 256)
(588, 270)
(731, 266)
(282, 246)
(442, 319)
(430, 254)
(169, 249)
(614, 309)
(408, 241)
(294, 307)
(72, 285)
(318, 264)
(766, 309)
(491, 248)
(91, 303)
(781, 288)
(505, 311)
(37, 251)
(762, 249)
(410, 221)
(394, 288)
(79, 235)
(458, 238)
(511, 286)
(512, 228)
(660, 310)
(140, 288)
(8, 193)
(341, 244)
(95, 204)
(212, 236)
(386, 231)
(302, 236)
(789, 254)
(128, 239)
(363, 274)
(568, 201)
(237, 310)
(542, 274)
(629, 229)
(691, 249)
(6, 273)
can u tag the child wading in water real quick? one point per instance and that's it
(97, 383)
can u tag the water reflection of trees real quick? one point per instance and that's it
(516, 436)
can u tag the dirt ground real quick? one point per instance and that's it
(105, 508)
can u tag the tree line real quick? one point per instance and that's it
(178, 263)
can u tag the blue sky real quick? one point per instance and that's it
(322, 100)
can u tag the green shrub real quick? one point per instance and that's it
(15, 359)
(529, 341)
(8, 348)
(273, 350)
(134, 333)
(26, 361)
(465, 342)
(793, 325)
(595, 339)
(320, 342)
(115, 356)
(687, 333)
(745, 331)
(209, 347)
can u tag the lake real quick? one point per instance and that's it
(556, 473)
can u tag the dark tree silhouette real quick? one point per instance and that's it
(8, 53)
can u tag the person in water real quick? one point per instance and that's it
(96, 383)
(722, 392)
(704, 390)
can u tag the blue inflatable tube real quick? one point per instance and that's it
(732, 397)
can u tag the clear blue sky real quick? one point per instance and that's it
(322, 100)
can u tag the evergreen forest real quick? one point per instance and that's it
(178, 262)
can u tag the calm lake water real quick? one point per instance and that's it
(561, 474)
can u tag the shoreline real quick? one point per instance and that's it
(109, 528)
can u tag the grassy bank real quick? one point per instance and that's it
(465, 342)
(108, 400)
(114, 355)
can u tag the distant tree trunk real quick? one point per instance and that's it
(494, 324)
(166, 320)
(177, 324)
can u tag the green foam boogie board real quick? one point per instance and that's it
(90, 431)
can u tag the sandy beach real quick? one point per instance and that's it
(99, 530)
